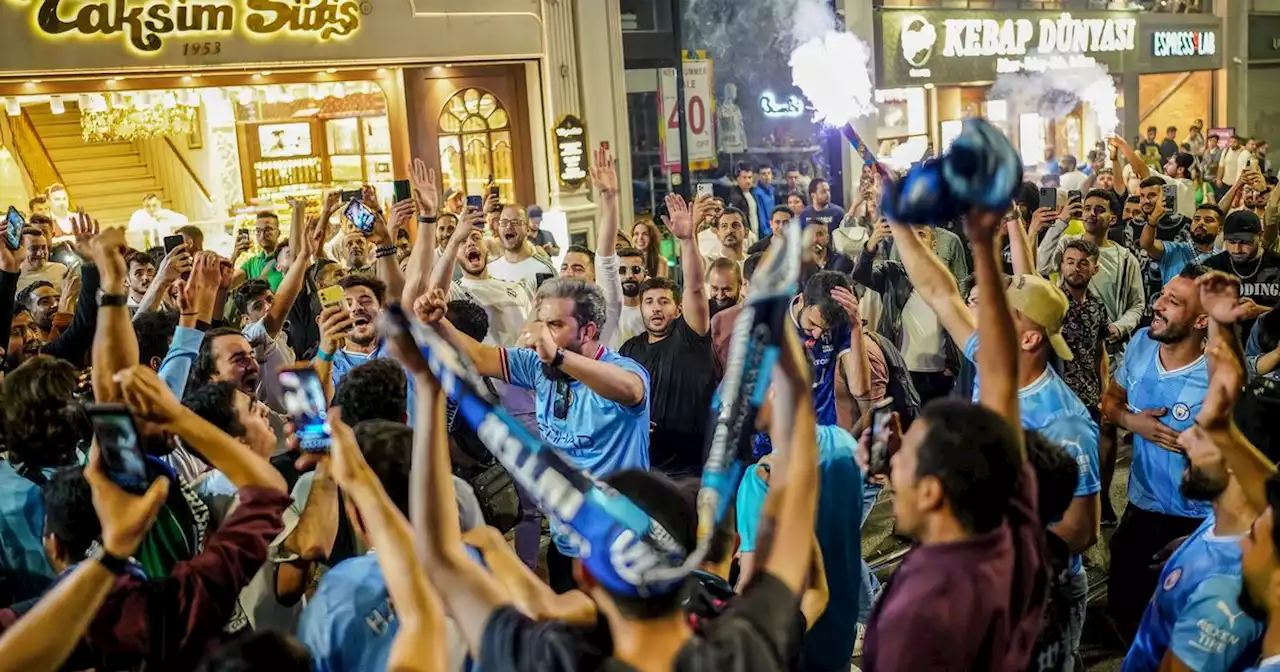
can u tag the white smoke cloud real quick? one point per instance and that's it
(834, 73)
(1053, 94)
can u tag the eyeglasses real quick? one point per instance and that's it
(564, 396)
(510, 222)
(633, 270)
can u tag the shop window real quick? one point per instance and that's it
(475, 143)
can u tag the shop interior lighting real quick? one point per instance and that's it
(56, 105)
(12, 107)
(117, 100)
(339, 91)
(244, 96)
(169, 100)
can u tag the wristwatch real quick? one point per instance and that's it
(558, 359)
(106, 300)
(113, 563)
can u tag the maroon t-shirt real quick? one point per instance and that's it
(969, 605)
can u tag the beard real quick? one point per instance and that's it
(1203, 237)
(1172, 333)
(1197, 484)
(631, 289)
(717, 305)
(1075, 281)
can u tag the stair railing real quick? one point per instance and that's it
(32, 153)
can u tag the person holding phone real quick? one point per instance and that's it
(266, 232)
(1176, 171)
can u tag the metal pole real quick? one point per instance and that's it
(677, 42)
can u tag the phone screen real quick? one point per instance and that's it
(881, 414)
(117, 437)
(476, 202)
(171, 242)
(361, 216)
(402, 190)
(305, 404)
(543, 277)
(14, 223)
(1170, 197)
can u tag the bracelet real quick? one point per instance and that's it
(325, 356)
(427, 220)
(384, 251)
(558, 359)
(188, 314)
(109, 300)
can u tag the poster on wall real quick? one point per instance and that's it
(1224, 134)
(699, 113)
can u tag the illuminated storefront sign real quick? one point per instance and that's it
(770, 106)
(149, 27)
(973, 45)
(571, 152)
(1184, 43)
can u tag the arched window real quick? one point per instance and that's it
(475, 142)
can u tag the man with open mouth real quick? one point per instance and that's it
(517, 263)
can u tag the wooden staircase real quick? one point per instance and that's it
(107, 179)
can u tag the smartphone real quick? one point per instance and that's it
(14, 224)
(402, 191)
(881, 414)
(351, 195)
(171, 242)
(1049, 197)
(493, 192)
(476, 202)
(117, 435)
(543, 277)
(304, 402)
(704, 189)
(361, 216)
(330, 296)
(1074, 195)
(1170, 197)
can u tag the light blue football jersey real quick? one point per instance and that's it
(1156, 473)
(1195, 610)
(1050, 407)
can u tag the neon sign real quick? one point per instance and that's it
(791, 106)
(571, 151)
(147, 26)
(1184, 43)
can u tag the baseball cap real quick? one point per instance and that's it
(535, 212)
(1242, 226)
(1043, 304)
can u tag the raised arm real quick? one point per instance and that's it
(931, 279)
(856, 362)
(150, 399)
(115, 346)
(1049, 252)
(1153, 246)
(1140, 167)
(1020, 249)
(470, 224)
(604, 176)
(417, 273)
(420, 642)
(680, 221)
(470, 594)
(531, 595)
(47, 635)
(300, 243)
(998, 342)
(385, 264)
(175, 263)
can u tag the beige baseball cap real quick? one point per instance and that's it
(1044, 304)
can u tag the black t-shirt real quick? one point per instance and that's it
(758, 633)
(682, 379)
(1259, 280)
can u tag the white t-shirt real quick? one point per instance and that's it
(272, 355)
(1072, 181)
(524, 272)
(508, 305)
(922, 343)
(1231, 165)
(630, 325)
(1186, 203)
(52, 272)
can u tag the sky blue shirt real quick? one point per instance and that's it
(1271, 664)
(22, 524)
(1050, 407)
(1195, 610)
(1156, 473)
(1178, 256)
(175, 370)
(344, 361)
(829, 644)
(349, 624)
(596, 435)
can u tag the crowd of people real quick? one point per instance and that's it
(164, 505)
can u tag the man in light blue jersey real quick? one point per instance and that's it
(1046, 403)
(1194, 619)
(1156, 393)
(349, 624)
(1173, 256)
(592, 403)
